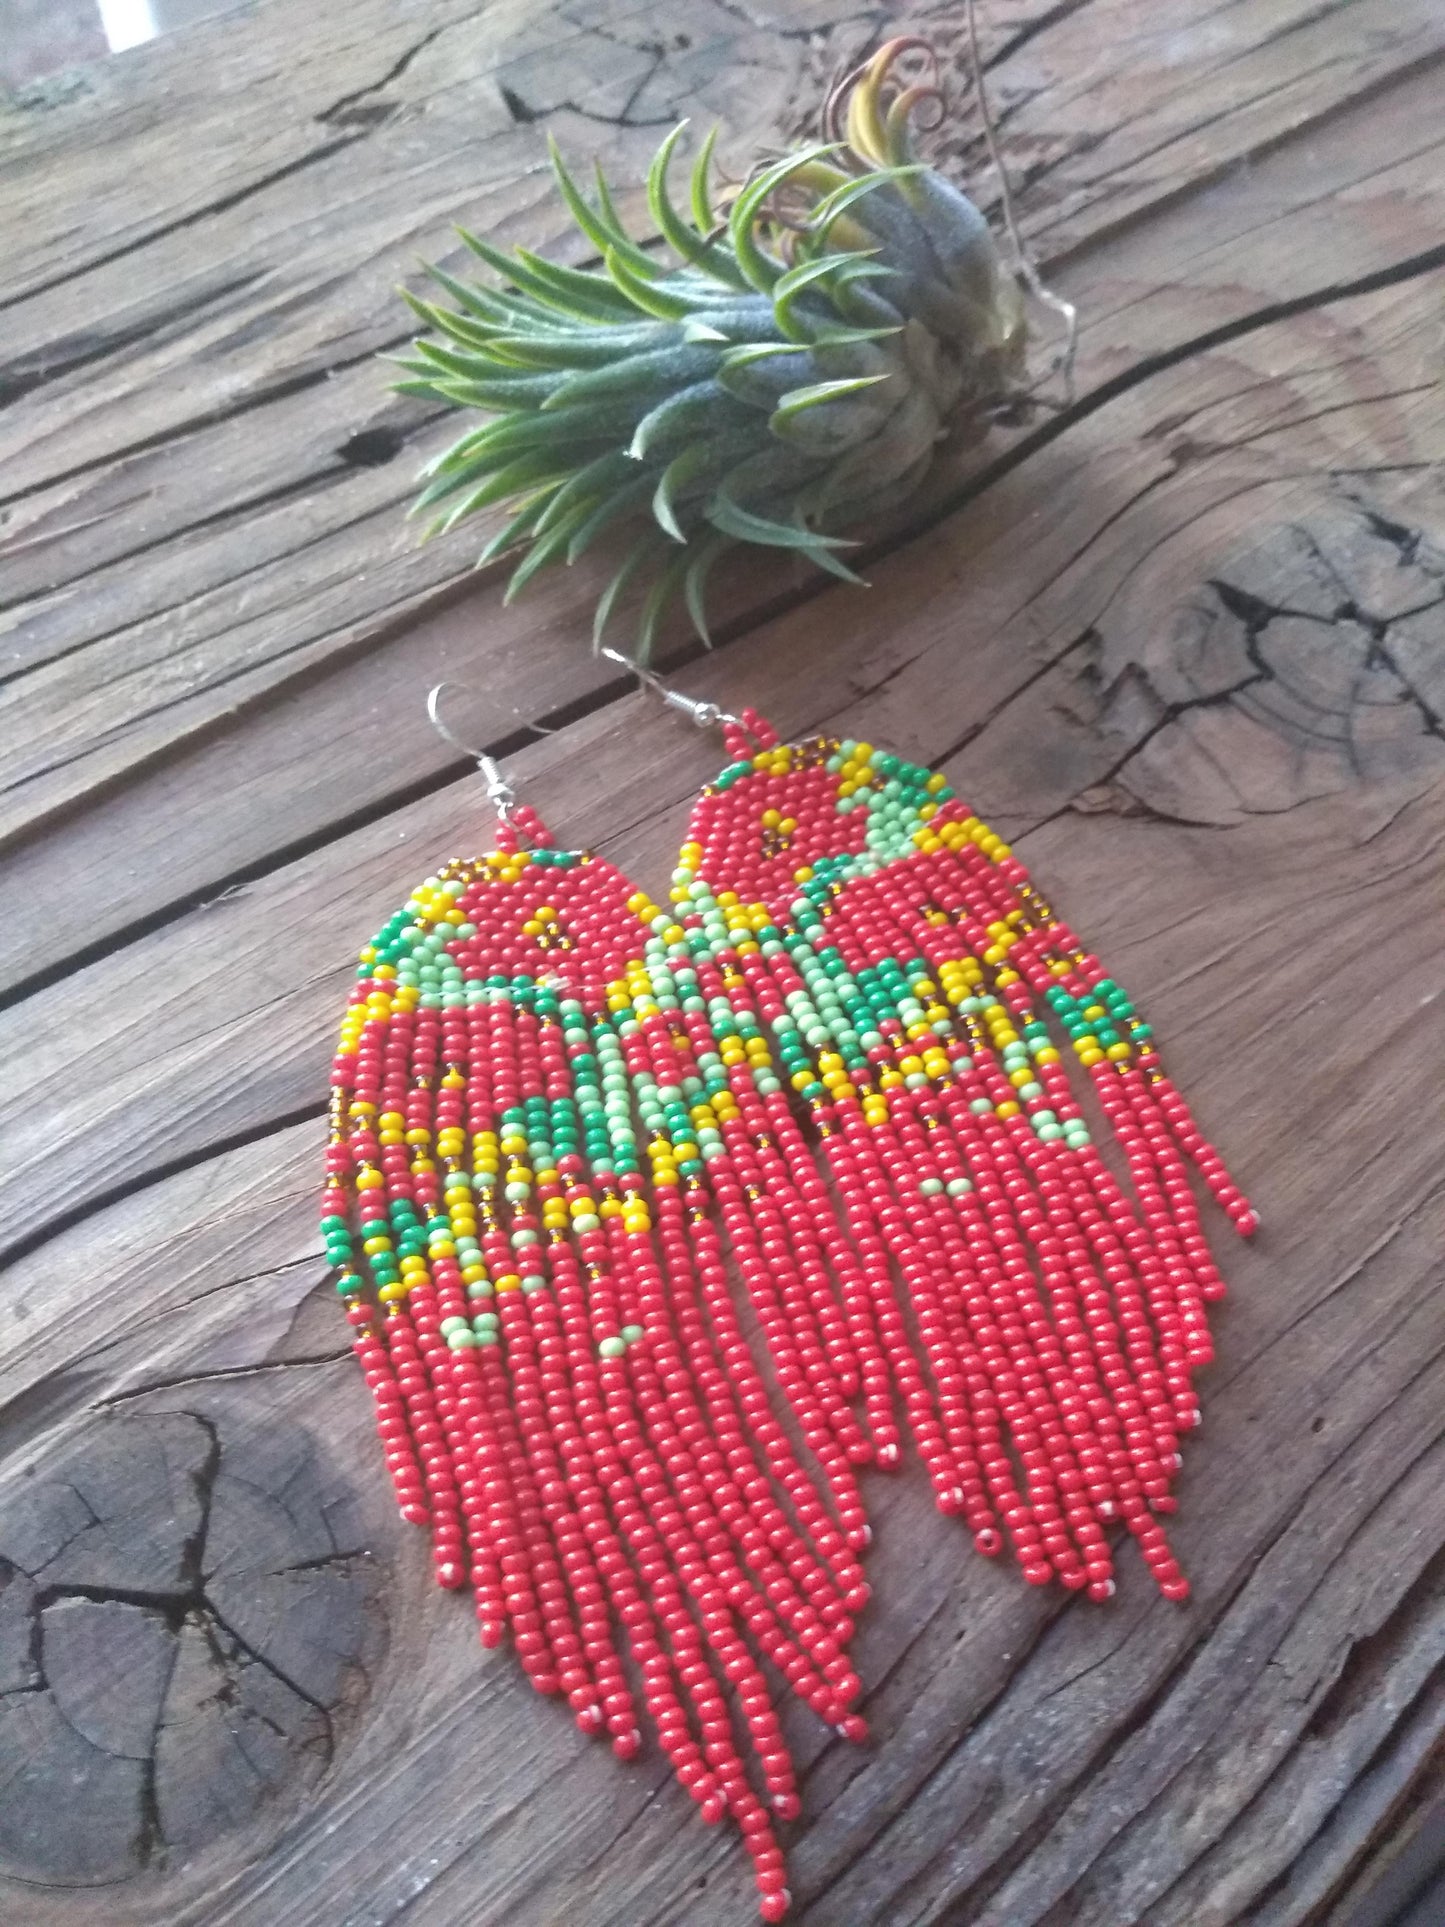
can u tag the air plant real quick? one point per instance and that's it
(785, 378)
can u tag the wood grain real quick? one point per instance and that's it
(1184, 641)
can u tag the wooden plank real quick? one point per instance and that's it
(273, 556)
(226, 1009)
(1029, 1758)
(288, 773)
(1184, 646)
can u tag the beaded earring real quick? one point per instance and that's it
(565, 1119)
(904, 966)
(529, 1187)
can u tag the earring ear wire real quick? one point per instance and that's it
(500, 794)
(707, 715)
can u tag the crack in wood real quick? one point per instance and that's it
(188, 1596)
(1422, 263)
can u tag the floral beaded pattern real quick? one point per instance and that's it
(565, 1120)
(905, 966)
(551, 1133)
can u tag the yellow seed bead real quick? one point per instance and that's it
(1019, 1078)
(1088, 1058)
(1008, 1109)
(1118, 1052)
(1048, 1055)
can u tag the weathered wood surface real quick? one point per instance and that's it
(1185, 641)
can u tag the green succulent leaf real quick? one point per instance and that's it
(684, 241)
(600, 225)
(776, 364)
(760, 268)
(699, 192)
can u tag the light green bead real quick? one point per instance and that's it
(958, 1187)
(632, 1333)
(450, 1325)
(612, 1347)
(461, 1341)
(931, 1187)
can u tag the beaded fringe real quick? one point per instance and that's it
(564, 1120)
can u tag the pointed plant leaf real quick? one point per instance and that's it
(647, 295)
(591, 350)
(573, 302)
(682, 468)
(745, 526)
(797, 399)
(694, 582)
(841, 199)
(600, 226)
(545, 547)
(620, 501)
(689, 246)
(699, 192)
(588, 484)
(760, 268)
(641, 551)
(507, 479)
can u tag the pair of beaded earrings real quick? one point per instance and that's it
(567, 1123)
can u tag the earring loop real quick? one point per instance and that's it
(500, 794)
(707, 715)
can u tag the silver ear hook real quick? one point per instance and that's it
(705, 714)
(500, 794)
